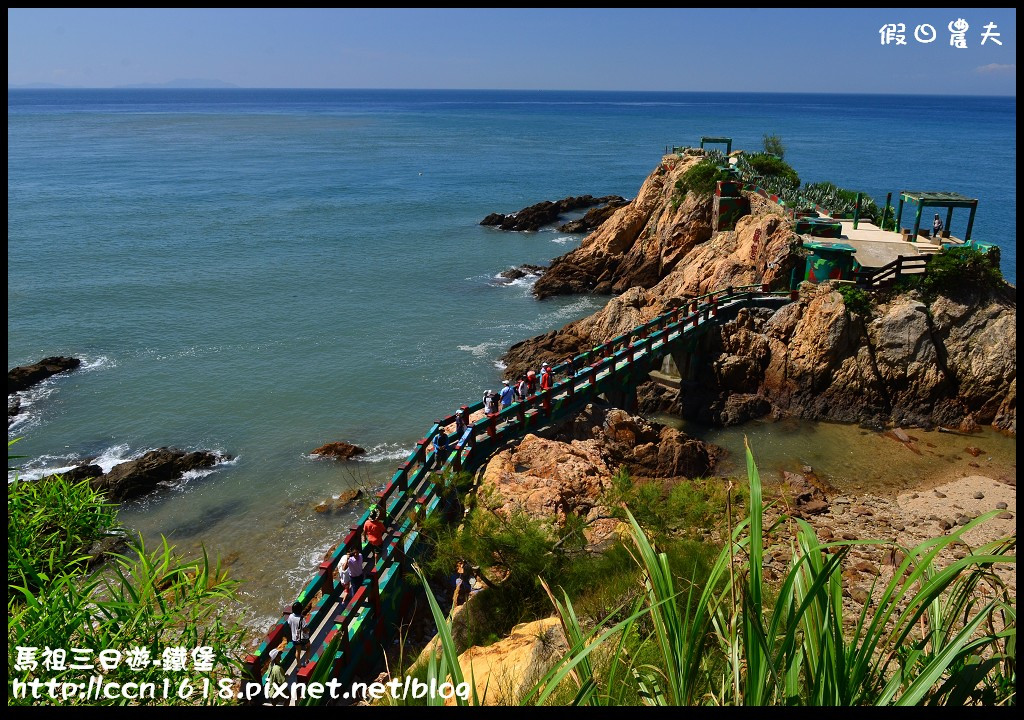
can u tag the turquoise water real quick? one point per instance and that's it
(261, 272)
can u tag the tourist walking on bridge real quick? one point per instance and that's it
(462, 425)
(508, 395)
(298, 626)
(353, 571)
(373, 537)
(531, 383)
(490, 402)
(521, 389)
(546, 381)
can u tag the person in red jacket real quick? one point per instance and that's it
(545, 377)
(373, 536)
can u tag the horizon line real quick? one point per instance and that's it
(158, 86)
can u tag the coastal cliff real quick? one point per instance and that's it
(947, 360)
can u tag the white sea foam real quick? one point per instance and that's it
(500, 365)
(565, 239)
(55, 464)
(100, 363)
(385, 451)
(480, 350)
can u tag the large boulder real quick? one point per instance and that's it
(569, 474)
(506, 670)
(25, 376)
(142, 475)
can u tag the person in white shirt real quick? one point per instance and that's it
(299, 630)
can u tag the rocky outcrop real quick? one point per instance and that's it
(340, 503)
(907, 364)
(642, 242)
(25, 376)
(547, 212)
(506, 670)
(339, 450)
(758, 251)
(647, 449)
(157, 467)
(552, 478)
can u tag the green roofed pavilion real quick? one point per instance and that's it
(948, 200)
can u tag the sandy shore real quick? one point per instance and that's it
(938, 507)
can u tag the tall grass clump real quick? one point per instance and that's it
(138, 607)
(930, 635)
(52, 523)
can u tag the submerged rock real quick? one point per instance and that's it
(25, 376)
(339, 450)
(522, 271)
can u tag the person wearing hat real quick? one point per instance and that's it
(507, 394)
(276, 677)
(545, 376)
(490, 402)
(936, 226)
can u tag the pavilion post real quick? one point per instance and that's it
(949, 222)
(885, 210)
(856, 211)
(917, 219)
(970, 223)
(899, 214)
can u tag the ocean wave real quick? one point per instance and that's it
(115, 455)
(565, 239)
(385, 451)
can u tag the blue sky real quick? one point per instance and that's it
(742, 50)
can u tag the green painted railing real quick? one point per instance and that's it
(413, 495)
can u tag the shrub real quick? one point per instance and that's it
(856, 300)
(961, 269)
(703, 177)
(773, 146)
(771, 166)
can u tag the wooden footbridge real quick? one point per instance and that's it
(355, 630)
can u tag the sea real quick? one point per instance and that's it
(260, 272)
